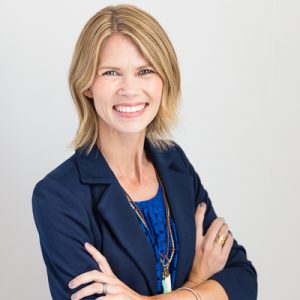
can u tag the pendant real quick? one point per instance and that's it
(166, 281)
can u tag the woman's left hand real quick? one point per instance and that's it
(116, 289)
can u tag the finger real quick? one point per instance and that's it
(199, 217)
(94, 275)
(223, 232)
(228, 245)
(213, 230)
(99, 258)
(96, 288)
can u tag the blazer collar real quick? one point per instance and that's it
(123, 221)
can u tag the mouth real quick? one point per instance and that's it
(130, 110)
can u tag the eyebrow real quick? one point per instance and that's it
(116, 68)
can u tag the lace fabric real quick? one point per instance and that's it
(153, 211)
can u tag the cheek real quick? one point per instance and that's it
(102, 102)
(102, 93)
(156, 88)
(102, 90)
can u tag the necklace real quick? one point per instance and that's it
(164, 260)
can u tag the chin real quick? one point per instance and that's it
(131, 129)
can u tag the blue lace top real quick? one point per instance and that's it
(154, 213)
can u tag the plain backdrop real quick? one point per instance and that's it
(239, 123)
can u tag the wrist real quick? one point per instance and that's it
(191, 283)
(141, 297)
(191, 290)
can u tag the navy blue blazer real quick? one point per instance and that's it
(82, 201)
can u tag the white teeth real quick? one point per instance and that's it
(130, 108)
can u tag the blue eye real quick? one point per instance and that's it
(142, 72)
(150, 71)
(106, 73)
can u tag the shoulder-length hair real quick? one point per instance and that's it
(157, 49)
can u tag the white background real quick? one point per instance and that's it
(239, 124)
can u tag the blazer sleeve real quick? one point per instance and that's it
(63, 227)
(239, 277)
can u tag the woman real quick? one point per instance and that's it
(128, 190)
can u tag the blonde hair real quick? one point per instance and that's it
(157, 49)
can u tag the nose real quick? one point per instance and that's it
(129, 86)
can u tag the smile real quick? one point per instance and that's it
(130, 111)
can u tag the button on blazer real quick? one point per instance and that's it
(82, 201)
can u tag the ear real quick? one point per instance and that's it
(88, 93)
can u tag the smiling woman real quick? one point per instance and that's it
(126, 81)
(126, 216)
(123, 47)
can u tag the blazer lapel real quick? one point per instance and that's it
(117, 212)
(115, 209)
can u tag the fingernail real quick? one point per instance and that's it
(71, 284)
(87, 244)
(73, 297)
(202, 204)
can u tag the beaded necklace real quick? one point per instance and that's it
(164, 260)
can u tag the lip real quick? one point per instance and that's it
(130, 104)
(130, 114)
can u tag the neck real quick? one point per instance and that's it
(125, 154)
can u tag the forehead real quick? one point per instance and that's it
(119, 48)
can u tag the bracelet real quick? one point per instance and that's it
(191, 290)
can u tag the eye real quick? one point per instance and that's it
(148, 71)
(111, 71)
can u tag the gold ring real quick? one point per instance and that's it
(104, 286)
(220, 239)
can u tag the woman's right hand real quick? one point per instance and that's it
(210, 257)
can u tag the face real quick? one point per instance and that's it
(127, 91)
